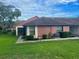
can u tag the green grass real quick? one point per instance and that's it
(68, 49)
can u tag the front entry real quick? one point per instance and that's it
(21, 31)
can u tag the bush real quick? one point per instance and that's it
(36, 38)
(44, 36)
(56, 34)
(13, 32)
(4, 32)
(0, 31)
(29, 37)
(64, 34)
(49, 35)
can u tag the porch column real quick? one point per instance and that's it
(36, 32)
(17, 29)
(28, 31)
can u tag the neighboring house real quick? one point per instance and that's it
(39, 26)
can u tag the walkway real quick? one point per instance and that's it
(54, 39)
(20, 40)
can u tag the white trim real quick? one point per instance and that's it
(36, 32)
(17, 29)
(19, 26)
(28, 31)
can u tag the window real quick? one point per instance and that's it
(59, 28)
(32, 30)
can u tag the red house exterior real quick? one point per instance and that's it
(52, 29)
(39, 26)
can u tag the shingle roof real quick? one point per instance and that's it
(37, 21)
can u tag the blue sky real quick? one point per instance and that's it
(47, 8)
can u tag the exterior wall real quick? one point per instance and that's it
(66, 29)
(53, 29)
(43, 30)
(75, 30)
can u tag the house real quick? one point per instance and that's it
(39, 26)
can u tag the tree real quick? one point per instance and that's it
(17, 13)
(7, 15)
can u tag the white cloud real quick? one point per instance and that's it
(59, 1)
(31, 8)
(67, 1)
(63, 14)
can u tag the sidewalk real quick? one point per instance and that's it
(54, 39)
(20, 40)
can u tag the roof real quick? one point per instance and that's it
(38, 21)
(22, 22)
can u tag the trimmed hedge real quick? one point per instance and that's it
(4, 32)
(13, 32)
(44, 36)
(0, 31)
(64, 34)
(29, 37)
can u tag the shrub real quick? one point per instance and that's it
(56, 34)
(4, 32)
(29, 37)
(44, 36)
(64, 34)
(36, 38)
(13, 32)
(0, 31)
(8, 31)
(49, 35)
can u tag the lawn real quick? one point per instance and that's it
(68, 49)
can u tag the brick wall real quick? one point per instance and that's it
(66, 29)
(53, 29)
(46, 29)
(43, 30)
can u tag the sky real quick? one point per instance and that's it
(46, 8)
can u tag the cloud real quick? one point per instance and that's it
(59, 1)
(67, 1)
(31, 8)
(63, 14)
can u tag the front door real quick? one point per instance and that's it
(21, 31)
